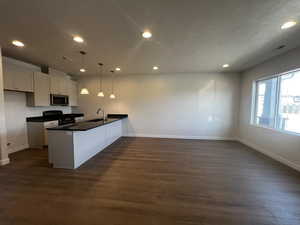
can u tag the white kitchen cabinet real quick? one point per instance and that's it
(17, 78)
(54, 84)
(70, 149)
(59, 84)
(64, 85)
(73, 90)
(38, 134)
(41, 94)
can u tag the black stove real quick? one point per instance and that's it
(54, 113)
(58, 115)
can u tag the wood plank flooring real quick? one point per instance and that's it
(139, 181)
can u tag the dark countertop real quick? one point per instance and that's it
(52, 118)
(90, 124)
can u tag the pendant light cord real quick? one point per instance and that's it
(112, 82)
(82, 58)
(100, 76)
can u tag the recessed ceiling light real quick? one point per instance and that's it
(78, 39)
(18, 43)
(147, 34)
(118, 69)
(155, 67)
(288, 25)
(225, 65)
(82, 70)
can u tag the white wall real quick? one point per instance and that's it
(16, 112)
(281, 146)
(203, 105)
(3, 150)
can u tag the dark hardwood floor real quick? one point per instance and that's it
(139, 181)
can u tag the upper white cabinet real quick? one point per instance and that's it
(20, 76)
(59, 83)
(54, 84)
(65, 85)
(17, 78)
(41, 94)
(73, 89)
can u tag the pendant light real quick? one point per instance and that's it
(84, 90)
(112, 95)
(100, 93)
(82, 69)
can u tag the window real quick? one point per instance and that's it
(277, 102)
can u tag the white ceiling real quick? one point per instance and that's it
(188, 35)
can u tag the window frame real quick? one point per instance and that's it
(254, 102)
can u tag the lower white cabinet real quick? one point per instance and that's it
(38, 133)
(70, 149)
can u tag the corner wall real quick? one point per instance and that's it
(193, 106)
(3, 139)
(280, 146)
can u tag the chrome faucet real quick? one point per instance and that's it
(103, 113)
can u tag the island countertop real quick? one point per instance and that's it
(90, 124)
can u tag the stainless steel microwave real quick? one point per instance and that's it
(61, 100)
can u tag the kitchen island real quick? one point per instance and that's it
(72, 145)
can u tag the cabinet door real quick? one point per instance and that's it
(8, 79)
(17, 78)
(54, 84)
(64, 85)
(41, 89)
(23, 80)
(73, 93)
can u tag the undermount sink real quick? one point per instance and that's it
(95, 120)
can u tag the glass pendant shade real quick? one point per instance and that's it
(112, 95)
(101, 94)
(84, 91)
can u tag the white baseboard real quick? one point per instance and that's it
(272, 155)
(17, 148)
(182, 137)
(4, 162)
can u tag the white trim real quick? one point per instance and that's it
(272, 155)
(182, 137)
(17, 148)
(278, 74)
(276, 130)
(4, 162)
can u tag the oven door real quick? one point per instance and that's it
(60, 100)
